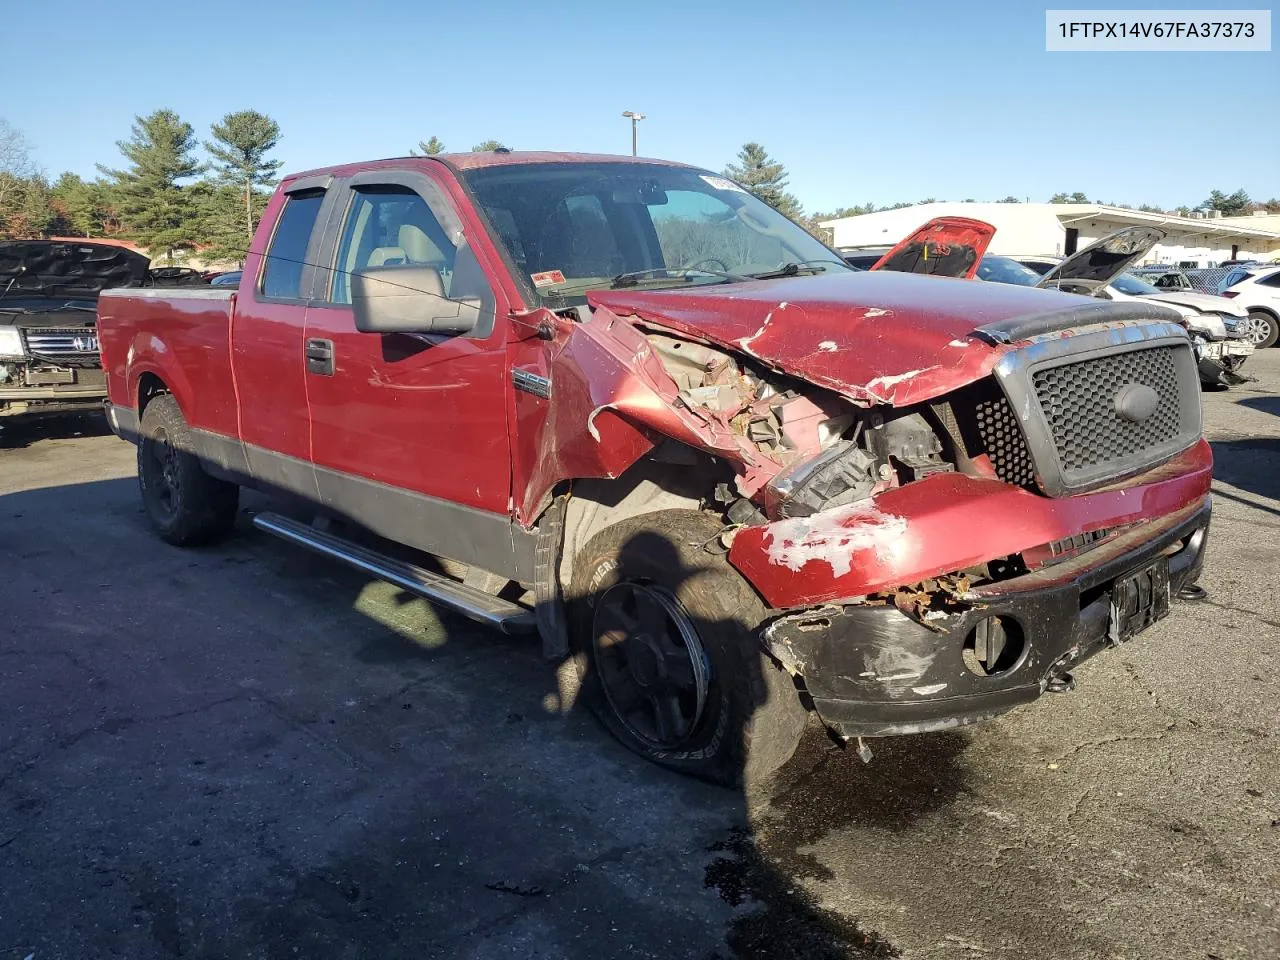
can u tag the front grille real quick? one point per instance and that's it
(1079, 405)
(73, 346)
(1002, 439)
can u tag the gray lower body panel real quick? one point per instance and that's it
(438, 527)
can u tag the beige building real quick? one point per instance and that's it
(1063, 228)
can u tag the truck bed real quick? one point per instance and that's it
(181, 337)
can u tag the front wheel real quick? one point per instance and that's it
(1263, 329)
(666, 635)
(185, 505)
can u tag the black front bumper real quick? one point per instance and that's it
(874, 671)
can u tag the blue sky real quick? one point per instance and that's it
(861, 100)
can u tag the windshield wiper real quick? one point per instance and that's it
(633, 277)
(795, 268)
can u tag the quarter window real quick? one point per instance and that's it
(287, 255)
(1271, 281)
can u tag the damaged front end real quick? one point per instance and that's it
(939, 545)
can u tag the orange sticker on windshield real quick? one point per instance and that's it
(547, 278)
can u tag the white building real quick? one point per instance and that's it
(1063, 228)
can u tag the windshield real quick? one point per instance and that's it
(1128, 283)
(1004, 270)
(573, 227)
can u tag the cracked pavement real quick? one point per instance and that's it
(246, 751)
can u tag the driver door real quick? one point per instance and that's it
(409, 432)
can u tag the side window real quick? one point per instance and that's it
(391, 226)
(287, 254)
(1271, 281)
(1231, 279)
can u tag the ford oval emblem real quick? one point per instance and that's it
(1136, 402)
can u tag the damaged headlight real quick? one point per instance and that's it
(841, 474)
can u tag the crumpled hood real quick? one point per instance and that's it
(876, 336)
(73, 269)
(1200, 302)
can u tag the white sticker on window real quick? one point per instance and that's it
(721, 183)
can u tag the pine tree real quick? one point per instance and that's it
(765, 177)
(428, 148)
(77, 203)
(239, 149)
(488, 146)
(154, 206)
(1233, 205)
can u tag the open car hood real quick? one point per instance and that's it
(879, 337)
(67, 268)
(1102, 261)
(943, 247)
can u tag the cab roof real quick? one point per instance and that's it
(490, 158)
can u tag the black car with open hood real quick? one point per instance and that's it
(49, 360)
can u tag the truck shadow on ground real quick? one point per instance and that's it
(576, 848)
(758, 866)
(17, 433)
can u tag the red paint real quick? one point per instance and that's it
(898, 338)
(941, 235)
(943, 524)
(442, 418)
(183, 342)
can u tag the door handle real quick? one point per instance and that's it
(320, 357)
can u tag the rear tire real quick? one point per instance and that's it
(666, 638)
(1258, 318)
(184, 504)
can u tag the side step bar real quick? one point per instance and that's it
(479, 606)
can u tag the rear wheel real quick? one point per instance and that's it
(185, 505)
(1263, 328)
(666, 635)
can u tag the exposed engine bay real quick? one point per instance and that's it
(824, 451)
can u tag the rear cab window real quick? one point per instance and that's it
(286, 256)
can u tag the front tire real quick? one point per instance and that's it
(666, 637)
(185, 505)
(1264, 329)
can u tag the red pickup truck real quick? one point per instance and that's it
(626, 404)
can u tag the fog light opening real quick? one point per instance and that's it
(994, 646)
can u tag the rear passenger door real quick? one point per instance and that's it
(409, 432)
(267, 338)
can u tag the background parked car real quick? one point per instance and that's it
(49, 361)
(174, 277)
(1164, 277)
(1257, 291)
(229, 279)
(1219, 330)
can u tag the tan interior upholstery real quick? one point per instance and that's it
(417, 246)
(383, 256)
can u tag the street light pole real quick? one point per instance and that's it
(635, 118)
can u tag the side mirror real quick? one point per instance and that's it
(400, 299)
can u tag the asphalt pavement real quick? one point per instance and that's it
(246, 751)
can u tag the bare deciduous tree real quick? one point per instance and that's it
(16, 167)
